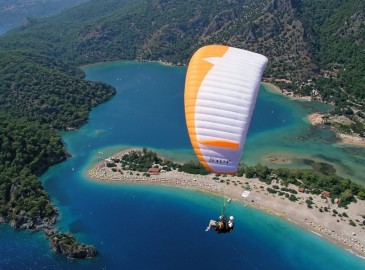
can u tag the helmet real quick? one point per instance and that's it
(231, 218)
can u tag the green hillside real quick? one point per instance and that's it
(15, 11)
(336, 34)
(303, 40)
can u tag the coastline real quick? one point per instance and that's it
(345, 139)
(253, 193)
(160, 61)
(280, 91)
(317, 118)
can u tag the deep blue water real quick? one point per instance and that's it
(151, 227)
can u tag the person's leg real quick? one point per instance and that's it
(212, 224)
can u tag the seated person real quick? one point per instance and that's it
(221, 226)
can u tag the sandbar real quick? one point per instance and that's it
(277, 158)
(336, 229)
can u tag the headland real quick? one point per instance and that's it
(346, 139)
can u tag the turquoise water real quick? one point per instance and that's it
(278, 124)
(151, 227)
(290, 135)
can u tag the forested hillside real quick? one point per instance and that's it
(27, 149)
(43, 89)
(335, 31)
(14, 11)
(320, 41)
(316, 47)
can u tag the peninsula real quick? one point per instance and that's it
(319, 213)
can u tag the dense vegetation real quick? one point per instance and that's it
(193, 167)
(37, 94)
(44, 90)
(27, 148)
(322, 178)
(15, 11)
(142, 161)
(66, 244)
(336, 35)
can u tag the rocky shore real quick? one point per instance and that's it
(67, 245)
(318, 118)
(61, 243)
(347, 139)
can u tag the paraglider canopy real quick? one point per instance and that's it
(220, 93)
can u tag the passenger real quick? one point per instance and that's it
(217, 225)
(221, 226)
(212, 224)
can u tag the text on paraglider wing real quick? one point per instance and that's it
(218, 160)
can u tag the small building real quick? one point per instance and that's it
(326, 193)
(154, 171)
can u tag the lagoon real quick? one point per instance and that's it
(145, 227)
(153, 103)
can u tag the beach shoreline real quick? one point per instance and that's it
(317, 118)
(345, 139)
(253, 193)
(288, 94)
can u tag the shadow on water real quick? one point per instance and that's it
(329, 159)
(307, 161)
(354, 151)
(78, 226)
(344, 168)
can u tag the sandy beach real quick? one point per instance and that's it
(351, 139)
(315, 118)
(332, 227)
(286, 93)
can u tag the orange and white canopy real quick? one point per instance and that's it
(220, 94)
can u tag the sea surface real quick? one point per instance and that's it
(156, 227)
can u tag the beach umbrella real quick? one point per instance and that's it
(221, 88)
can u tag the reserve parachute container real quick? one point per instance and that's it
(220, 94)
